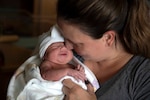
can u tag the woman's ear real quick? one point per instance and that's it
(109, 37)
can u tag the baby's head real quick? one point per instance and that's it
(52, 47)
(58, 53)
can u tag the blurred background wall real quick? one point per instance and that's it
(26, 17)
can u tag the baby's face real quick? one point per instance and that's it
(58, 53)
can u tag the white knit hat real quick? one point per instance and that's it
(48, 38)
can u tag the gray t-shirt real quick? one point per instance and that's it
(131, 83)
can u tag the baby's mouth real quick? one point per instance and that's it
(64, 54)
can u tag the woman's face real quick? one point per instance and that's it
(84, 45)
(58, 53)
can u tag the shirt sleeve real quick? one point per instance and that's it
(141, 85)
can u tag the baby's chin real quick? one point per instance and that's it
(64, 61)
(65, 58)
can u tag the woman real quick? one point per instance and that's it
(113, 37)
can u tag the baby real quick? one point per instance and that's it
(56, 58)
(55, 64)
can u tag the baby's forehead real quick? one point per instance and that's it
(57, 44)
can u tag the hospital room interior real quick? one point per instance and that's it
(21, 22)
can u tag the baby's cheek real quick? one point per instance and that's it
(52, 57)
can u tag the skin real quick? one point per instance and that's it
(103, 56)
(56, 64)
(58, 53)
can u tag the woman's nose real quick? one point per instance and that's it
(68, 45)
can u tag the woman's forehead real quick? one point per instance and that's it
(72, 32)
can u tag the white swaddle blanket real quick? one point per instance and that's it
(27, 83)
(40, 89)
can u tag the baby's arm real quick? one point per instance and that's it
(49, 73)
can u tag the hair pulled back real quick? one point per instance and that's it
(128, 18)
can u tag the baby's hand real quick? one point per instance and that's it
(78, 73)
(80, 68)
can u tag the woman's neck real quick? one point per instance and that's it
(106, 69)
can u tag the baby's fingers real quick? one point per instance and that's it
(80, 68)
(81, 76)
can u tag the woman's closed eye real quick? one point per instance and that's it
(69, 44)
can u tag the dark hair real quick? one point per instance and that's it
(128, 18)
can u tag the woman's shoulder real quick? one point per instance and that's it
(139, 76)
(138, 68)
(131, 82)
(139, 62)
